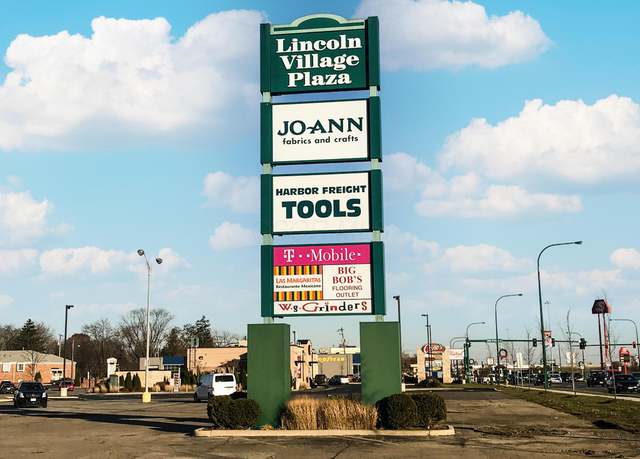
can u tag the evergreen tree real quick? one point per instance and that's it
(175, 344)
(137, 384)
(200, 329)
(128, 383)
(31, 338)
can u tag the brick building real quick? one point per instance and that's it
(17, 366)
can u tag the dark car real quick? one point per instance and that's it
(320, 380)
(30, 394)
(7, 387)
(596, 378)
(622, 383)
(336, 380)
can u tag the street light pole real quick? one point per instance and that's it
(397, 298)
(466, 346)
(428, 353)
(495, 313)
(64, 344)
(146, 396)
(636, 327)
(544, 350)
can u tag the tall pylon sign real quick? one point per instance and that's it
(314, 55)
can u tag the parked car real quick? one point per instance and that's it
(596, 378)
(7, 387)
(30, 394)
(555, 378)
(336, 380)
(538, 379)
(320, 380)
(622, 383)
(213, 384)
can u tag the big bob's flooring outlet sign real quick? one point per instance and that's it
(321, 53)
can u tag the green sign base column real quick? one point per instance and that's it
(268, 369)
(379, 360)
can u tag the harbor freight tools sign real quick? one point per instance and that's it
(319, 53)
(324, 279)
(325, 202)
(331, 131)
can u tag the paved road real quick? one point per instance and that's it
(582, 387)
(488, 424)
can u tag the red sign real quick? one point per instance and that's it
(435, 348)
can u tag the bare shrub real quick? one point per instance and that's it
(324, 414)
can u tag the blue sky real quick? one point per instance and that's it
(97, 161)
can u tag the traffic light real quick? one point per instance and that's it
(553, 342)
(534, 342)
(583, 343)
(634, 344)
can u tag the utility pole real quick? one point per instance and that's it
(428, 353)
(59, 343)
(397, 298)
(64, 345)
(344, 350)
(573, 376)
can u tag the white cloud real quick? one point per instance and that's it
(396, 239)
(570, 140)
(240, 194)
(12, 261)
(129, 80)
(22, 218)
(5, 300)
(626, 258)
(99, 261)
(499, 201)
(232, 236)
(478, 258)
(468, 195)
(429, 34)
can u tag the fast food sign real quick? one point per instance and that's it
(324, 279)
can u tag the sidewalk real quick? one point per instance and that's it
(570, 392)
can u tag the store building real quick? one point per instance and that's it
(18, 366)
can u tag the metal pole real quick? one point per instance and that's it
(544, 350)
(495, 312)
(73, 349)
(146, 361)
(397, 298)
(64, 344)
(600, 346)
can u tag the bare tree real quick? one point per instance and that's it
(33, 358)
(223, 338)
(530, 350)
(132, 331)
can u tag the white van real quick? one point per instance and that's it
(215, 384)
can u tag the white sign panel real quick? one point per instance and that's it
(321, 202)
(456, 354)
(322, 279)
(320, 131)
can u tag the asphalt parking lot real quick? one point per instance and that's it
(488, 424)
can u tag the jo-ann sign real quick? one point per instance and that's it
(323, 279)
(315, 132)
(319, 53)
(312, 203)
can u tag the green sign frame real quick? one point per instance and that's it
(319, 53)
(374, 131)
(376, 214)
(378, 296)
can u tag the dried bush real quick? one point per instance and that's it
(324, 414)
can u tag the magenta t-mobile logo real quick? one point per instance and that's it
(289, 254)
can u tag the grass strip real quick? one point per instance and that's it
(602, 412)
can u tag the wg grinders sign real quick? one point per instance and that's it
(319, 53)
(324, 279)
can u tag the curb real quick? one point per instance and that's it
(221, 433)
(451, 389)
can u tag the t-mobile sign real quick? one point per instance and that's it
(322, 279)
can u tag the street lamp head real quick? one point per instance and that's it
(520, 294)
(140, 252)
(578, 243)
(69, 306)
(159, 261)
(396, 297)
